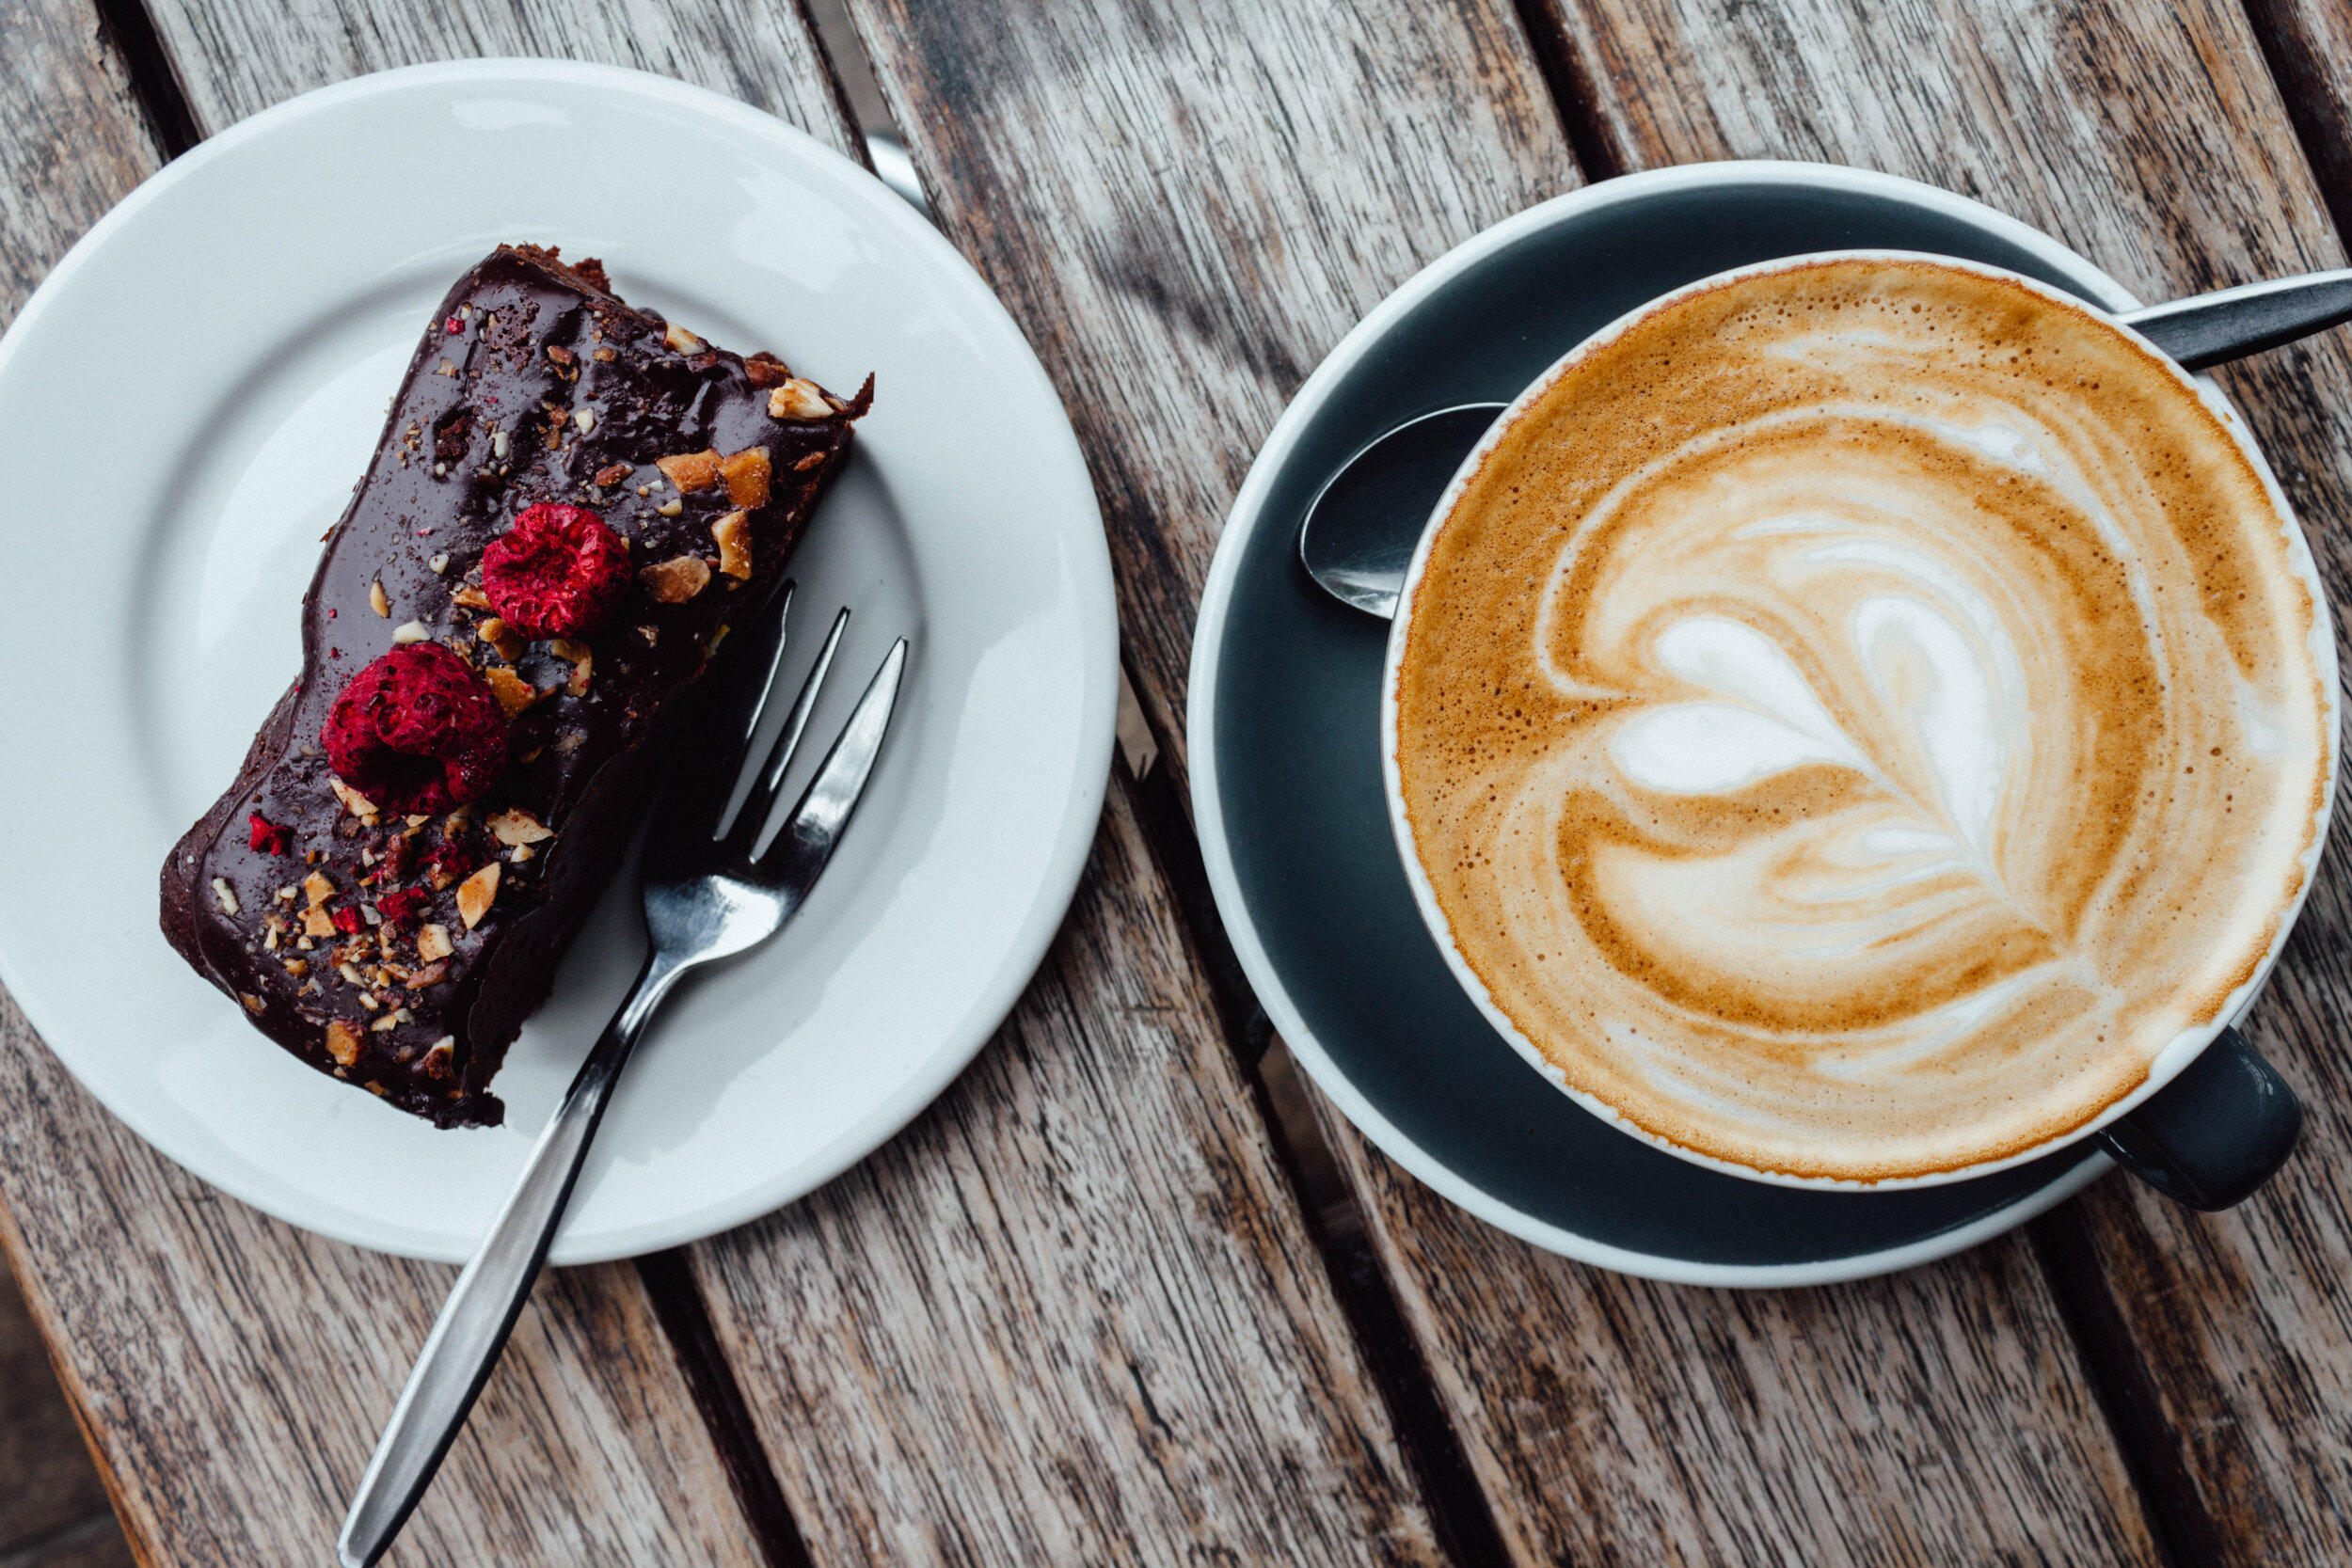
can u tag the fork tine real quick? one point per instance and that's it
(762, 799)
(713, 739)
(808, 835)
(771, 629)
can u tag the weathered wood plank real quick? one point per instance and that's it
(1935, 1417)
(232, 1373)
(237, 58)
(2309, 45)
(2153, 139)
(1071, 1314)
(71, 145)
(1186, 205)
(49, 1493)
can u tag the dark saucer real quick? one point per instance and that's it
(1284, 738)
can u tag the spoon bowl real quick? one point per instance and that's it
(1363, 524)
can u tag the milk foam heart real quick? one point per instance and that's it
(1858, 714)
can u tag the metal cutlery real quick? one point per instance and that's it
(710, 890)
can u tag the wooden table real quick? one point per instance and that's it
(1130, 1292)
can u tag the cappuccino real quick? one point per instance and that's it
(1856, 714)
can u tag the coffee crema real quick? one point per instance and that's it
(1858, 714)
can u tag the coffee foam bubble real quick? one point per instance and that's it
(1857, 717)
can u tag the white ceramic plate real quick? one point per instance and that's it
(184, 406)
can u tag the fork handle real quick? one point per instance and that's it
(490, 1295)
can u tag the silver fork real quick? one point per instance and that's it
(706, 897)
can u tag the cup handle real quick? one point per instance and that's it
(2214, 1134)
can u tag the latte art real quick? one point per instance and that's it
(1857, 716)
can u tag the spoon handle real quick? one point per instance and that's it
(2207, 329)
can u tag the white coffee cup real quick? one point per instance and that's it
(2230, 1122)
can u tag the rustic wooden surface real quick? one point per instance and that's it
(1938, 1416)
(236, 58)
(53, 1512)
(1071, 1315)
(232, 1372)
(1078, 1310)
(1186, 205)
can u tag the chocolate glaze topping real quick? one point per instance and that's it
(345, 936)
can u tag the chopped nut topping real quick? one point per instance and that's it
(411, 631)
(604, 357)
(585, 418)
(226, 895)
(377, 600)
(440, 562)
(520, 853)
(317, 888)
(470, 597)
(690, 471)
(676, 580)
(734, 533)
(680, 340)
(252, 1002)
(747, 474)
(671, 508)
(499, 445)
(581, 657)
(809, 462)
(514, 695)
(317, 923)
(343, 1041)
(432, 942)
(797, 399)
(445, 368)
(476, 894)
(561, 355)
(612, 475)
(431, 974)
(353, 802)
(517, 826)
(389, 1021)
(505, 639)
(350, 971)
(437, 1060)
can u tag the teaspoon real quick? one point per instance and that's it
(1362, 527)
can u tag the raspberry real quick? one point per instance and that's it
(558, 572)
(267, 836)
(399, 909)
(347, 920)
(417, 731)
(449, 865)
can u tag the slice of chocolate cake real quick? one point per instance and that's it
(571, 502)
